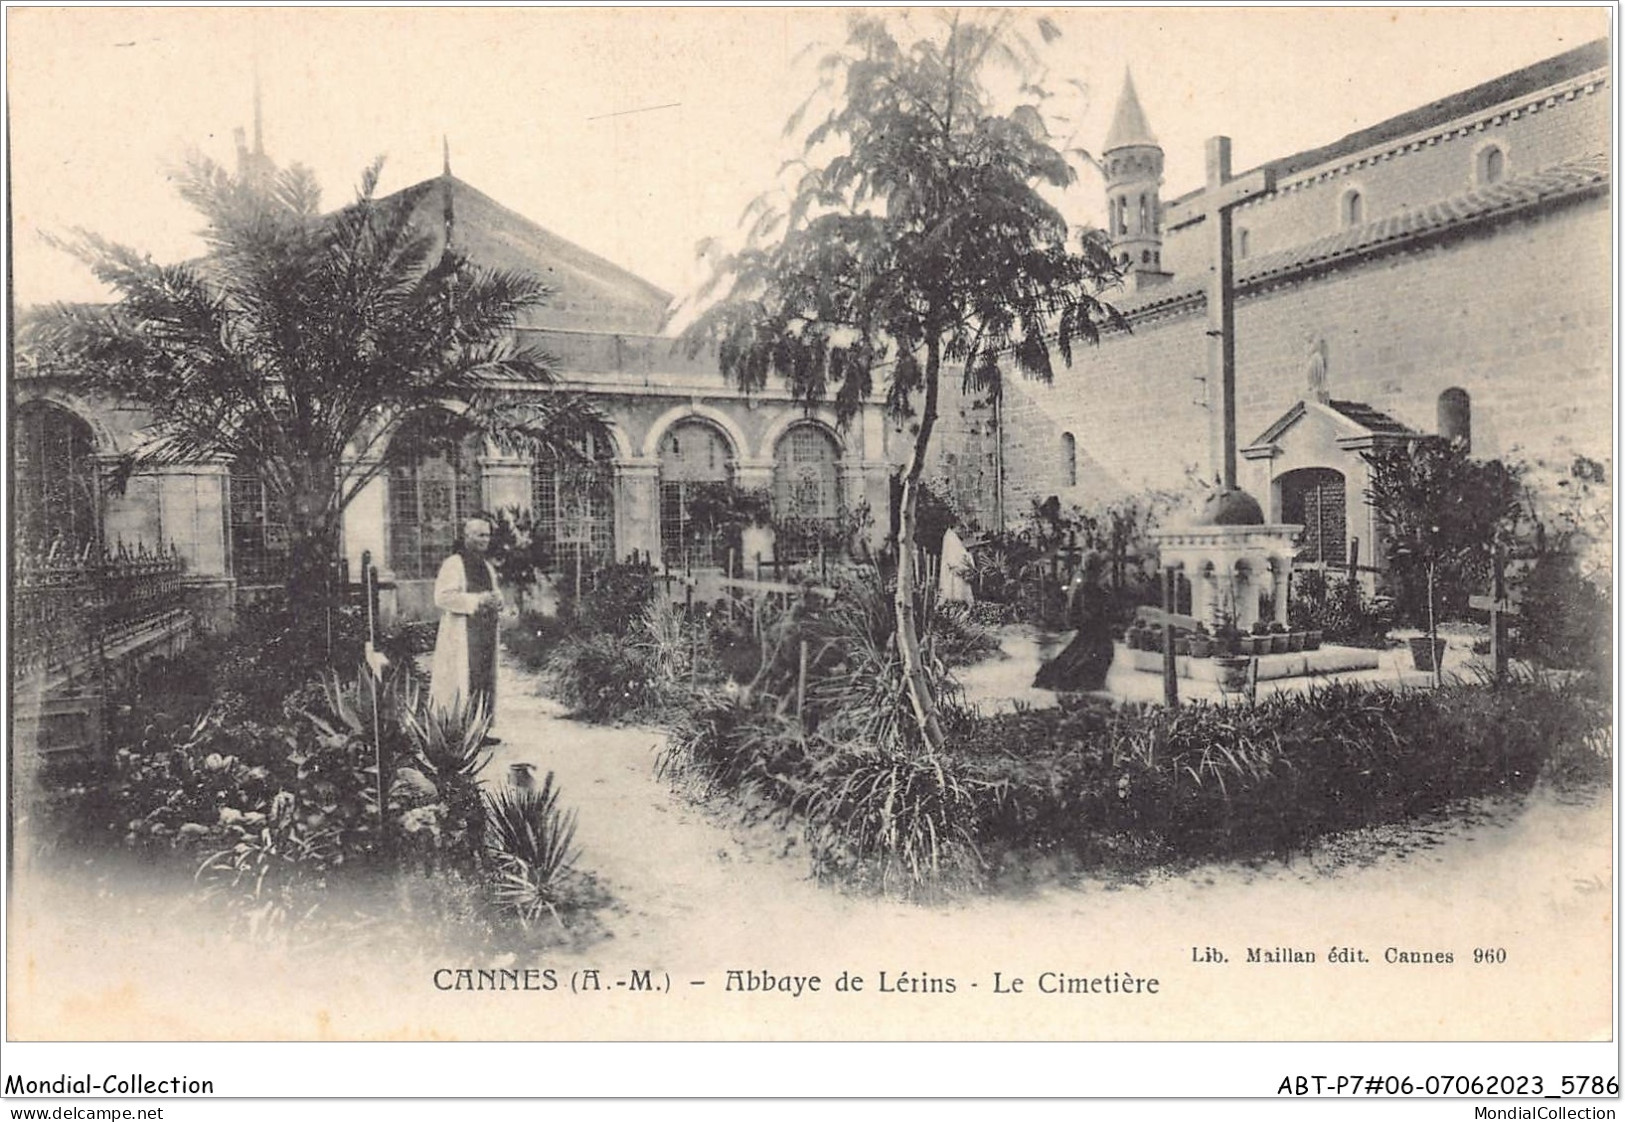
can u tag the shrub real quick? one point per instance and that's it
(1219, 781)
(1564, 620)
(644, 670)
(529, 839)
(612, 599)
(1337, 607)
(532, 637)
(909, 815)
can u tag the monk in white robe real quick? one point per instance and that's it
(464, 672)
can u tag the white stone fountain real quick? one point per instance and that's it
(1237, 563)
(1239, 568)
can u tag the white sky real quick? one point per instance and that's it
(104, 103)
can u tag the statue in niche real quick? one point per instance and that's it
(1317, 390)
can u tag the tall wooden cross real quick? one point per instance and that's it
(1213, 207)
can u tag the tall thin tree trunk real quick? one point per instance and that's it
(908, 636)
(1433, 631)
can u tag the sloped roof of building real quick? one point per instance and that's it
(1372, 420)
(589, 293)
(1571, 180)
(1366, 418)
(1549, 72)
(1129, 126)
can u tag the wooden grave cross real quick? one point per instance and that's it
(1213, 206)
(1499, 605)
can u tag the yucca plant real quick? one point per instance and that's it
(529, 841)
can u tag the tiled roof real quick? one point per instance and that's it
(1370, 419)
(1573, 179)
(1373, 421)
(1549, 72)
(1586, 175)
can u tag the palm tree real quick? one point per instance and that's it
(924, 240)
(302, 342)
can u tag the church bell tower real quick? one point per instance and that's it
(1133, 162)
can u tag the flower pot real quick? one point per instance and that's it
(1422, 657)
(1311, 640)
(1278, 642)
(1182, 645)
(1201, 646)
(1233, 671)
(1294, 641)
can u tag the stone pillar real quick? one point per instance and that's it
(1245, 583)
(1281, 570)
(192, 516)
(366, 527)
(133, 517)
(754, 475)
(637, 507)
(877, 490)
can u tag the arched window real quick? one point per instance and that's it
(1243, 243)
(1315, 498)
(430, 497)
(55, 481)
(1456, 416)
(693, 456)
(1353, 209)
(1122, 214)
(1069, 459)
(573, 503)
(259, 529)
(1145, 216)
(1491, 165)
(806, 486)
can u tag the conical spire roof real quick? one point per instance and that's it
(1129, 127)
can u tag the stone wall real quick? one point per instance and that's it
(1518, 315)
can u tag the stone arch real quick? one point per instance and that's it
(688, 464)
(573, 501)
(85, 410)
(428, 500)
(56, 478)
(1351, 207)
(1316, 498)
(1489, 163)
(671, 417)
(807, 473)
(789, 420)
(1455, 416)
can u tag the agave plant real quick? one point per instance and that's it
(447, 741)
(529, 840)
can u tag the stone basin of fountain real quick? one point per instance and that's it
(1239, 568)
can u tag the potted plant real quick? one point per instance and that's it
(1440, 512)
(1278, 638)
(1257, 641)
(1230, 659)
(1294, 641)
(1201, 643)
(1312, 639)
